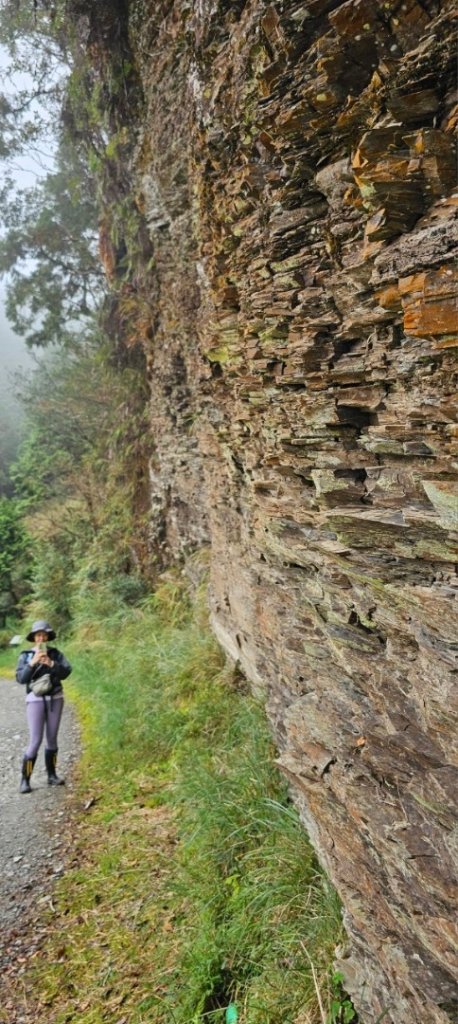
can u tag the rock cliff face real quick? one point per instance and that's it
(295, 171)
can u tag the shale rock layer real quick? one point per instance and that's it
(295, 171)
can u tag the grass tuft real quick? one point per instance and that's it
(194, 885)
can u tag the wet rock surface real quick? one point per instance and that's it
(295, 173)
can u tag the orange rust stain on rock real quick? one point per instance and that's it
(389, 298)
(430, 302)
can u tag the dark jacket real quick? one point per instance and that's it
(60, 670)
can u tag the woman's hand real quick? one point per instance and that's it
(41, 658)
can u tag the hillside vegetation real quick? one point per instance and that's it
(191, 885)
(192, 891)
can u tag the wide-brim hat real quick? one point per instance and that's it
(41, 626)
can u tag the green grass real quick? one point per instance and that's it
(194, 884)
(8, 659)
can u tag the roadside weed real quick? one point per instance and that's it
(193, 889)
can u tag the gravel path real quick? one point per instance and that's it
(32, 826)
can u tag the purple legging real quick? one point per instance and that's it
(37, 717)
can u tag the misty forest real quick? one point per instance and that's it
(228, 479)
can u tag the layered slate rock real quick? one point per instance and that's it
(296, 173)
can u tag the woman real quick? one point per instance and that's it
(42, 668)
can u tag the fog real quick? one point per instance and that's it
(13, 350)
(26, 168)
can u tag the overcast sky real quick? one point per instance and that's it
(14, 354)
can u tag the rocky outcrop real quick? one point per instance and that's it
(295, 170)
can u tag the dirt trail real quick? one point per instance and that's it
(32, 826)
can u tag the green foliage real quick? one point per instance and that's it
(49, 251)
(78, 474)
(32, 472)
(341, 1010)
(12, 537)
(213, 907)
(35, 65)
(14, 548)
(237, 895)
(9, 655)
(75, 478)
(5, 637)
(52, 583)
(10, 438)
